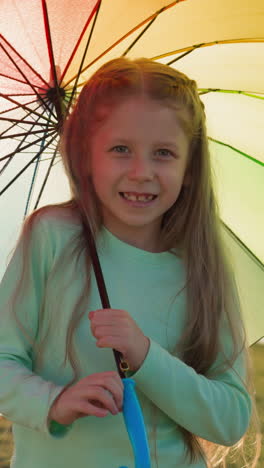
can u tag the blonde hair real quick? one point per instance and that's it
(192, 225)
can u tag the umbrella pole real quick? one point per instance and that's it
(132, 412)
(122, 365)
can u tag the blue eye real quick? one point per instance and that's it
(167, 152)
(119, 146)
(162, 152)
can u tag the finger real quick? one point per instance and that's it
(104, 397)
(107, 315)
(99, 331)
(98, 378)
(92, 408)
(113, 342)
(117, 392)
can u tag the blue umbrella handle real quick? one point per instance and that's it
(135, 425)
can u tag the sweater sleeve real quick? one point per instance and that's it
(217, 409)
(25, 397)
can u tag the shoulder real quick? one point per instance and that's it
(52, 227)
(55, 218)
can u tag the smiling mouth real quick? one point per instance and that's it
(138, 197)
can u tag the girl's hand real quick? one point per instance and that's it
(115, 329)
(95, 395)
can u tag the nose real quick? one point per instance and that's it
(141, 169)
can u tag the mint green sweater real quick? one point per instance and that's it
(171, 393)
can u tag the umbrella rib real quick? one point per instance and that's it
(244, 246)
(22, 94)
(33, 124)
(35, 174)
(144, 30)
(95, 10)
(191, 48)
(83, 58)
(46, 178)
(13, 101)
(23, 60)
(17, 148)
(18, 106)
(124, 37)
(29, 163)
(49, 43)
(19, 121)
(23, 106)
(25, 147)
(237, 151)
(57, 102)
(25, 77)
(28, 122)
(20, 81)
(34, 132)
(231, 91)
(194, 47)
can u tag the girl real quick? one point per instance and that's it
(136, 154)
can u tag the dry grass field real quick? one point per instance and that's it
(6, 443)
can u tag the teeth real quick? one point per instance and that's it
(133, 197)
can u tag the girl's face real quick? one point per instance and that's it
(138, 161)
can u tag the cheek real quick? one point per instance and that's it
(98, 170)
(173, 186)
(98, 185)
(103, 181)
(107, 173)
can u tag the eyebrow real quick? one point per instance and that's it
(166, 143)
(156, 143)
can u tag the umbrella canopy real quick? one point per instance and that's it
(46, 56)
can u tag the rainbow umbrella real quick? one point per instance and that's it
(46, 57)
